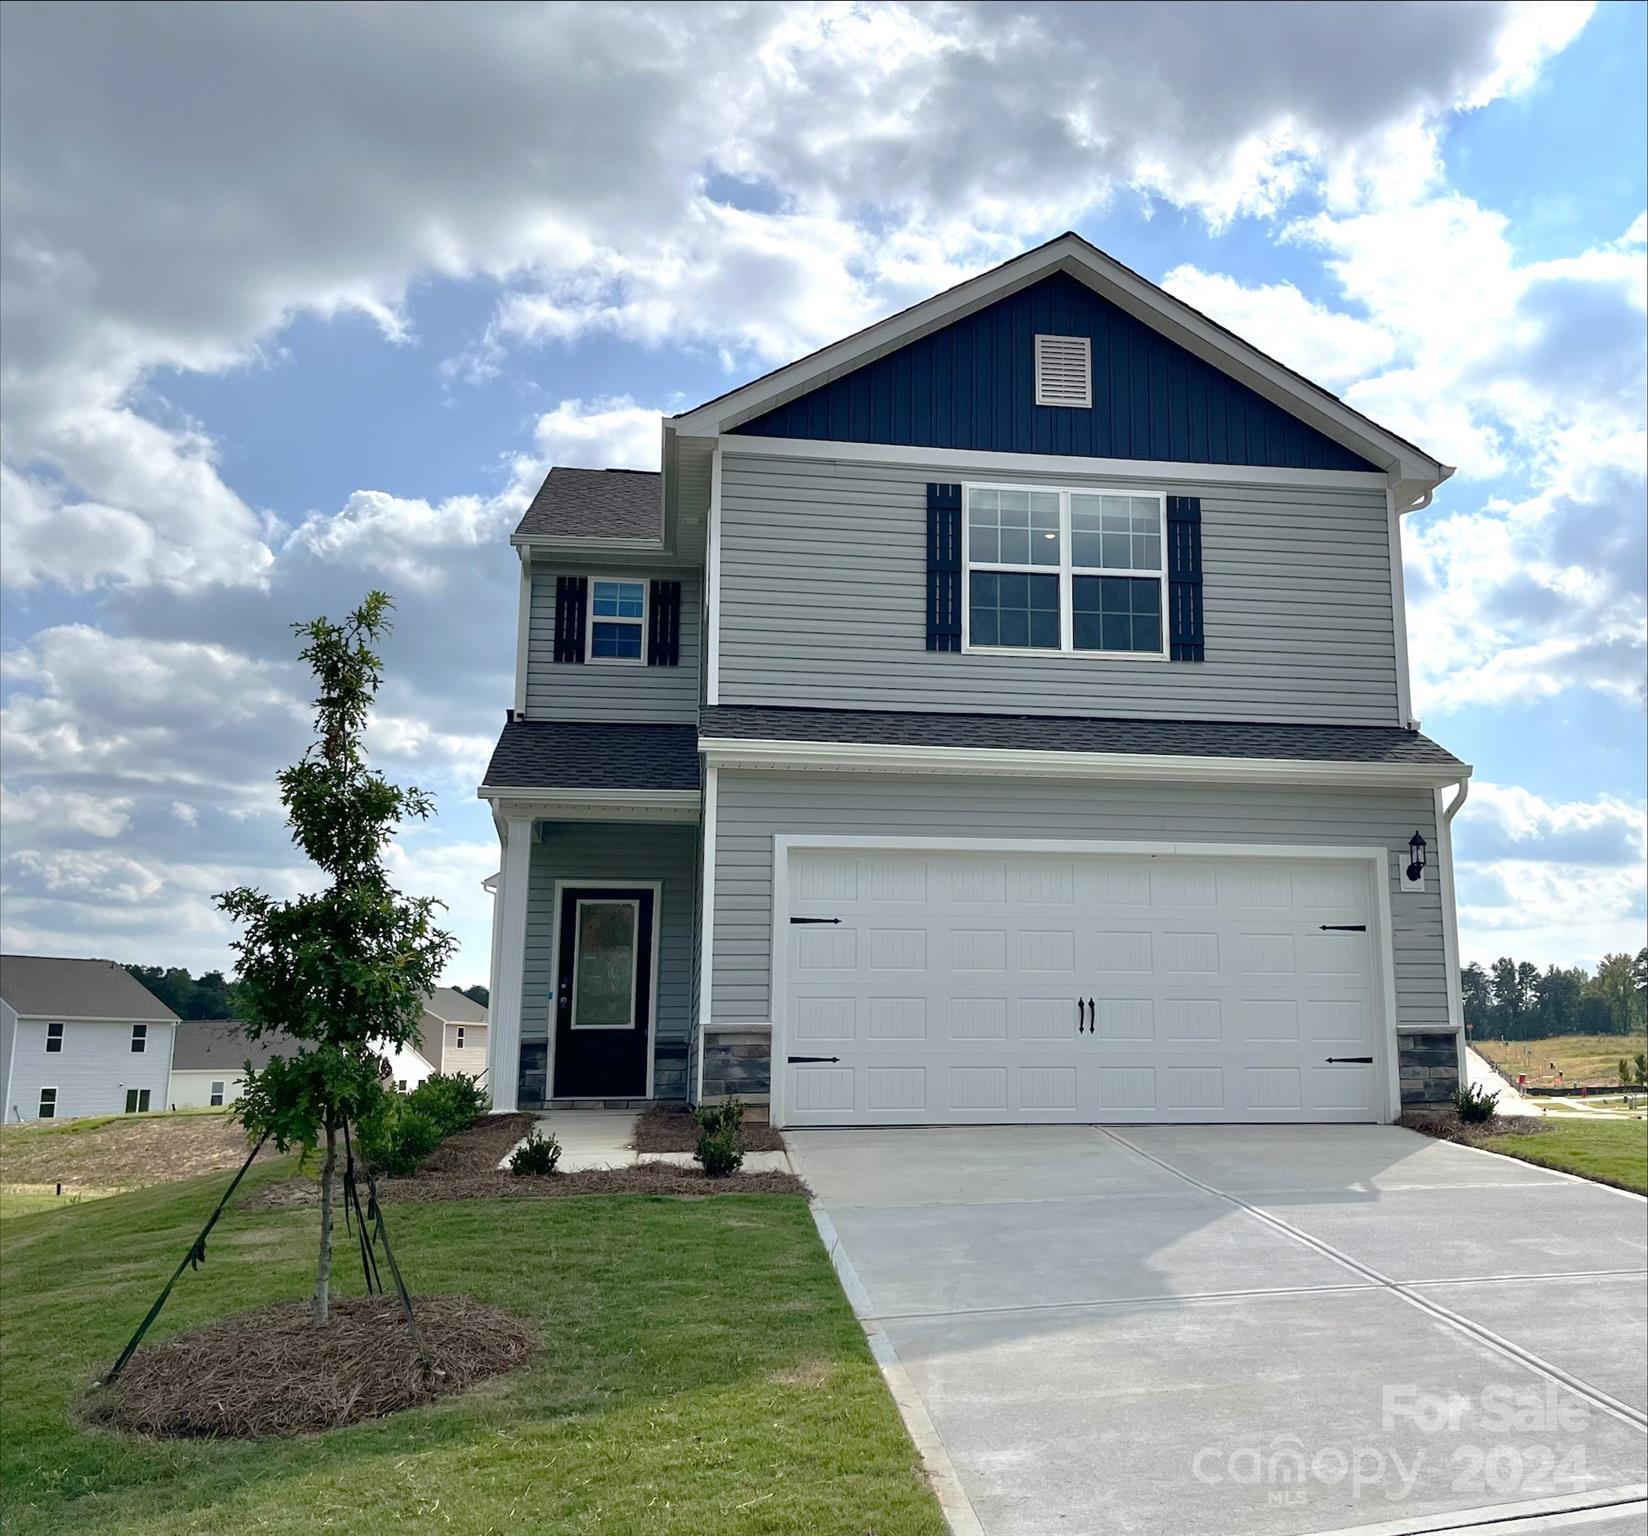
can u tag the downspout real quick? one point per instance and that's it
(1450, 921)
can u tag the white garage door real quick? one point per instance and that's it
(951, 988)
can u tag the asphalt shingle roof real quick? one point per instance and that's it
(450, 1004)
(597, 504)
(560, 754)
(1048, 733)
(43, 986)
(205, 1045)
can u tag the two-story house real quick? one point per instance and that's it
(999, 715)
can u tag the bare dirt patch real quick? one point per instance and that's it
(465, 1167)
(128, 1152)
(809, 1373)
(270, 1374)
(662, 1129)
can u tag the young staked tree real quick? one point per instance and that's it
(342, 973)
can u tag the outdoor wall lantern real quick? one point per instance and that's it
(1416, 865)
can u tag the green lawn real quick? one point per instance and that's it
(1614, 1151)
(702, 1373)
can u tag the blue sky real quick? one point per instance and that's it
(310, 299)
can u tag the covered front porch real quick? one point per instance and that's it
(594, 917)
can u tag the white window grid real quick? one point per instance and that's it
(639, 624)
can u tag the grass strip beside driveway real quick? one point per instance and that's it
(1609, 1151)
(702, 1373)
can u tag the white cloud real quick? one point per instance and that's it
(175, 196)
(45, 808)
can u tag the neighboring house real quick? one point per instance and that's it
(452, 1033)
(80, 1037)
(999, 715)
(209, 1062)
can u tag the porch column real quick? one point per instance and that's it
(503, 1062)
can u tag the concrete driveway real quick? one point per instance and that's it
(1216, 1331)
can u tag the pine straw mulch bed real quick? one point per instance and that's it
(269, 1374)
(1445, 1125)
(465, 1167)
(662, 1129)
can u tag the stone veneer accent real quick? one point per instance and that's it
(1428, 1065)
(669, 1073)
(737, 1063)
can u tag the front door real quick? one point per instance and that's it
(603, 992)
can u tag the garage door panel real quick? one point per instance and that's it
(956, 988)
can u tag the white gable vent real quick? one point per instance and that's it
(1064, 370)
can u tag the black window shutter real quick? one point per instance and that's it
(1184, 578)
(571, 607)
(664, 625)
(944, 567)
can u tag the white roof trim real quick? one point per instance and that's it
(1409, 468)
(867, 757)
(592, 804)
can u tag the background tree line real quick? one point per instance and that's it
(1513, 1000)
(210, 995)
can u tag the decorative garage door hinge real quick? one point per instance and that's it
(1343, 927)
(815, 919)
(1360, 1061)
(794, 1059)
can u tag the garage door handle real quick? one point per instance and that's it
(1325, 927)
(1360, 1061)
(1081, 1018)
(794, 1059)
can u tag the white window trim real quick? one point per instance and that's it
(40, 1103)
(57, 1038)
(579, 904)
(216, 1092)
(134, 1101)
(1066, 571)
(590, 622)
(460, 1045)
(140, 1042)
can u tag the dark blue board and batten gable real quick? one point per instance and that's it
(971, 385)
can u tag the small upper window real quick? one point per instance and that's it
(217, 1095)
(460, 1037)
(618, 619)
(140, 1039)
(1064, 370)
(54, 1039)
(48, 1103)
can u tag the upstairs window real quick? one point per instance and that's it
(140, 1039)
(1074, 571)
(1064, 371)
(54, 1039)
(617, 620)
(460, 1037)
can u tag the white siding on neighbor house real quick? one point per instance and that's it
(753, 808)
(93, 1070)
(823, 602)
(604, 690)
(192, 1088)
(471, 1060)
(407, 1067)
(8, 1032)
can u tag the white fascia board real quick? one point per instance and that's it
(1171, 317)
(571, 544)
(865, 757)
(92, 1018)
(969, 460)
(593, 804)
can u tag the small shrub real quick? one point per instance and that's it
(453, 1101)
(397, 1136)
(537, 1155)
(720, 1149)
(1474, 1104)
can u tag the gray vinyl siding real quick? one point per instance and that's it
(823, 603)
(754, 807)
(599, 691)
(613, 853)
(93, 1070)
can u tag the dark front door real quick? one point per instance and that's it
(603, 992)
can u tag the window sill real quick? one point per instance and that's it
(1062, 655)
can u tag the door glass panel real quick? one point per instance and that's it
(603, 984)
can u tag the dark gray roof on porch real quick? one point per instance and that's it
(579, 754)
(1054, 733)
(596, 504)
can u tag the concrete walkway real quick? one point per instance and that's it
(1481, 1073)
(1246, 1330)
(600, 1138)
